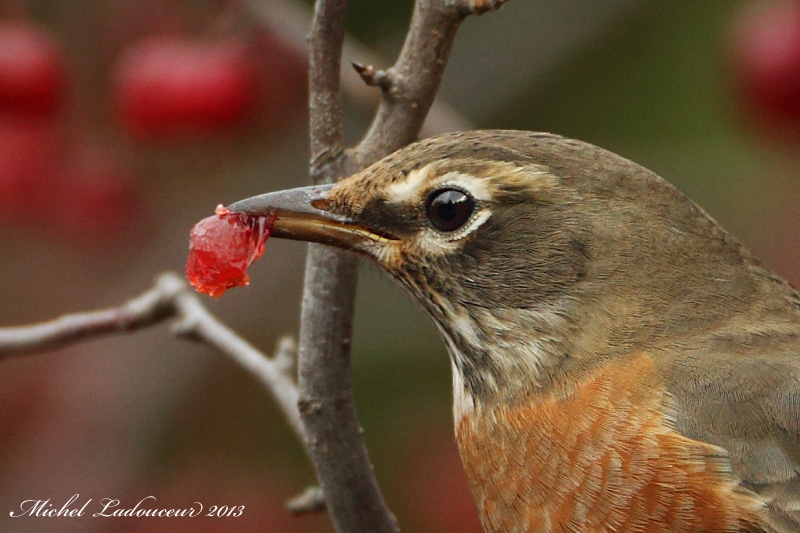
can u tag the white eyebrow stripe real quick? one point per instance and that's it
(408, 190)
(478, 188)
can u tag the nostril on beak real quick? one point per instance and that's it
(323, 204)
(307, 201)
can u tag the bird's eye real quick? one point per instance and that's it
(449, 209)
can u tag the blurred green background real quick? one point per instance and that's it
(146, 414)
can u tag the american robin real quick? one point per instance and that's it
(620, 362)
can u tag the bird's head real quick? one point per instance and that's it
(533, 254)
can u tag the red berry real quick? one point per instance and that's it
(767, 59)
(32, 78)
(94, 201)
(31, 155)
(222, 247)
(167, 87)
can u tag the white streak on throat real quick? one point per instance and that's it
(463, 403)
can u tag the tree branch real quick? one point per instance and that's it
(151, 307)
(288, 19)
(326, 405)
(416, 75)
(325, 101)
(170, 298)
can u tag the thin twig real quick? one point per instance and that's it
(170, 298)
(288, 19)
(311, 500)
(327, 407)
(372, 76)
(151, 307)
(196, 322)
(286, 356)
(416, 75)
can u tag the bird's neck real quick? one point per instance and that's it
(500, 356)
(507, 356)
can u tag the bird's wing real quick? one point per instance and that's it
(743, 395)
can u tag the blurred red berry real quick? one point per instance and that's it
(31, 155)
(169, 86)
(97, 200)
(32, 77)
(767, 59)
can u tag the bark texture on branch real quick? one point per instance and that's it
(326, 394)
(326, 403)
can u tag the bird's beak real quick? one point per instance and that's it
(303, 214)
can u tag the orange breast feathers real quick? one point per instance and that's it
(602, 458)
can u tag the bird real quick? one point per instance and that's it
(621, 363)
